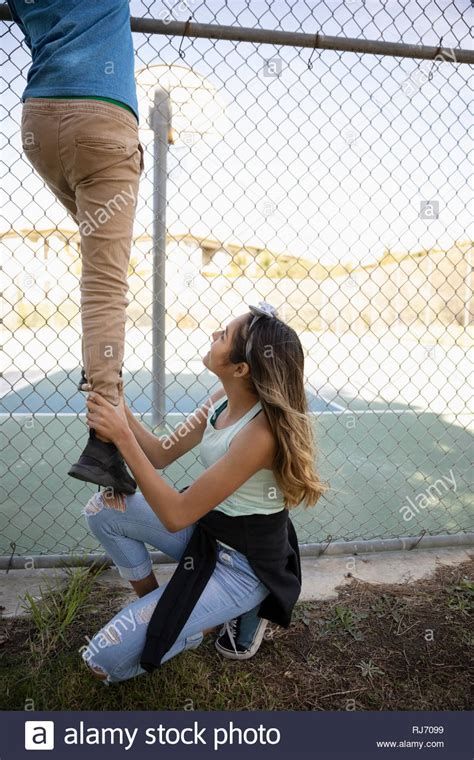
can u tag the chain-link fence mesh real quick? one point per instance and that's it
(333, 185)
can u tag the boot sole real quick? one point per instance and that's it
(249, 652)
(100, 478)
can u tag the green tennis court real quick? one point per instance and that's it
(378, 464)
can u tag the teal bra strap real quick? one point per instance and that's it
(218, 411)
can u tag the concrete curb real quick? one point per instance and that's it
(321, 576)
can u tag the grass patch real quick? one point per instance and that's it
(59, 607)
(375, 647)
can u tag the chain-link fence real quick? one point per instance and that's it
(333, 184)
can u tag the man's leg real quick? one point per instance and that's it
(104, 173)
(91, 159)
(105, 176)
(39, 133)
(39, 137)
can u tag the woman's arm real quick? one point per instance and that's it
(247, 454)
(163, 451)
(146, 440)
(251, 450)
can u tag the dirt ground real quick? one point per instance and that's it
(375, 647)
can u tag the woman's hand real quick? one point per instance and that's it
(88, 387)
(108, 421)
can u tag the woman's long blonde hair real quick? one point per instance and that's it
(276, 361)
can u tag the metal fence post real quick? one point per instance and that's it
(160, 122)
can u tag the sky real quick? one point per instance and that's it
(330, 162)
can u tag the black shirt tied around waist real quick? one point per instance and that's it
(270, 544)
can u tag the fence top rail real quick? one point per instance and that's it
(295, 39)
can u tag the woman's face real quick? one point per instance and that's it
(221, 342)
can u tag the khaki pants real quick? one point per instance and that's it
(90, 156)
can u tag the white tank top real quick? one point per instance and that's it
(259, 494)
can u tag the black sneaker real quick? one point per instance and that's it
(103, 464)
(240, 638)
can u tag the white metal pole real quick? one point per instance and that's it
(160, 121)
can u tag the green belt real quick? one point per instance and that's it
(90, 97)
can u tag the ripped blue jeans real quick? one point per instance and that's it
(232, 589)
